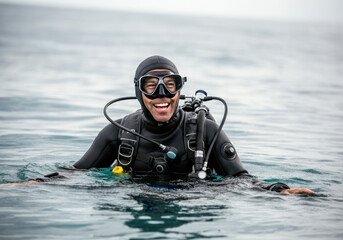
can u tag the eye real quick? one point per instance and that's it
(150, 85)
(170, 83)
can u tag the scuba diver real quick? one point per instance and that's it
(164, 139)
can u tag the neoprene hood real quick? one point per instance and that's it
(151, 63)
(154, 62)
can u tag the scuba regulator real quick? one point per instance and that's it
(192, 104)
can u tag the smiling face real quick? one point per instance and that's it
(162, 109)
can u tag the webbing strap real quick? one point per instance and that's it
(190, 130)
(128, 147)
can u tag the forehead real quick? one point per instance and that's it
(155, 79)
(160, 71)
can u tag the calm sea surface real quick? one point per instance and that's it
(282, 81)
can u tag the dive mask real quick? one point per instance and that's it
(161, 86)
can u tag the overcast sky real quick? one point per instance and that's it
(308, 10)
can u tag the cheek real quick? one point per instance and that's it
(176, 100)
(145, 100)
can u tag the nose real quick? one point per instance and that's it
(161, 91)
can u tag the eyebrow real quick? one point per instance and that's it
(151, 80)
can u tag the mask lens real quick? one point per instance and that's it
(172, 83)
(148, 84)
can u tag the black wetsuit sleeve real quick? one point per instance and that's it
(62, 174)
(101, 153)
(224, 159)
(277, 187)
(103, 150)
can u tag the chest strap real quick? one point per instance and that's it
(127, 150)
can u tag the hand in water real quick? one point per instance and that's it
(297, 191)
(19, 184)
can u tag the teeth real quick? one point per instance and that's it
(161, 105)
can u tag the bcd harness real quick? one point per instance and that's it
(127, 151)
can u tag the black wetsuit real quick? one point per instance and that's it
(224, 159)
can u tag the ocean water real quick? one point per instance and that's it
(281, 80)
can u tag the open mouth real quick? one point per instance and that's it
(161, 105)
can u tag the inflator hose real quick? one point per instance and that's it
(199, 154)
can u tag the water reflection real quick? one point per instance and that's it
(156, 215)
(164, 210)
(161, 215)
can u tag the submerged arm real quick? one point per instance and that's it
(102, 153)
(226, 162)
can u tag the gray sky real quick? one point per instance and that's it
(305, 10)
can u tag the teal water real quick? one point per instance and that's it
(283, 84)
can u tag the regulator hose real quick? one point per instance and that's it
(171, 152)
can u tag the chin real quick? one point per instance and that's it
(162, 119)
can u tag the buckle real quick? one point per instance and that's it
(191, 144)
(125, 152)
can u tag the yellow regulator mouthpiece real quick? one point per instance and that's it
(118, 170)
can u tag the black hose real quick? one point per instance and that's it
(219, 128)
(122, 127)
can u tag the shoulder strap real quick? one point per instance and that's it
(190, 130)
(128, 142)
